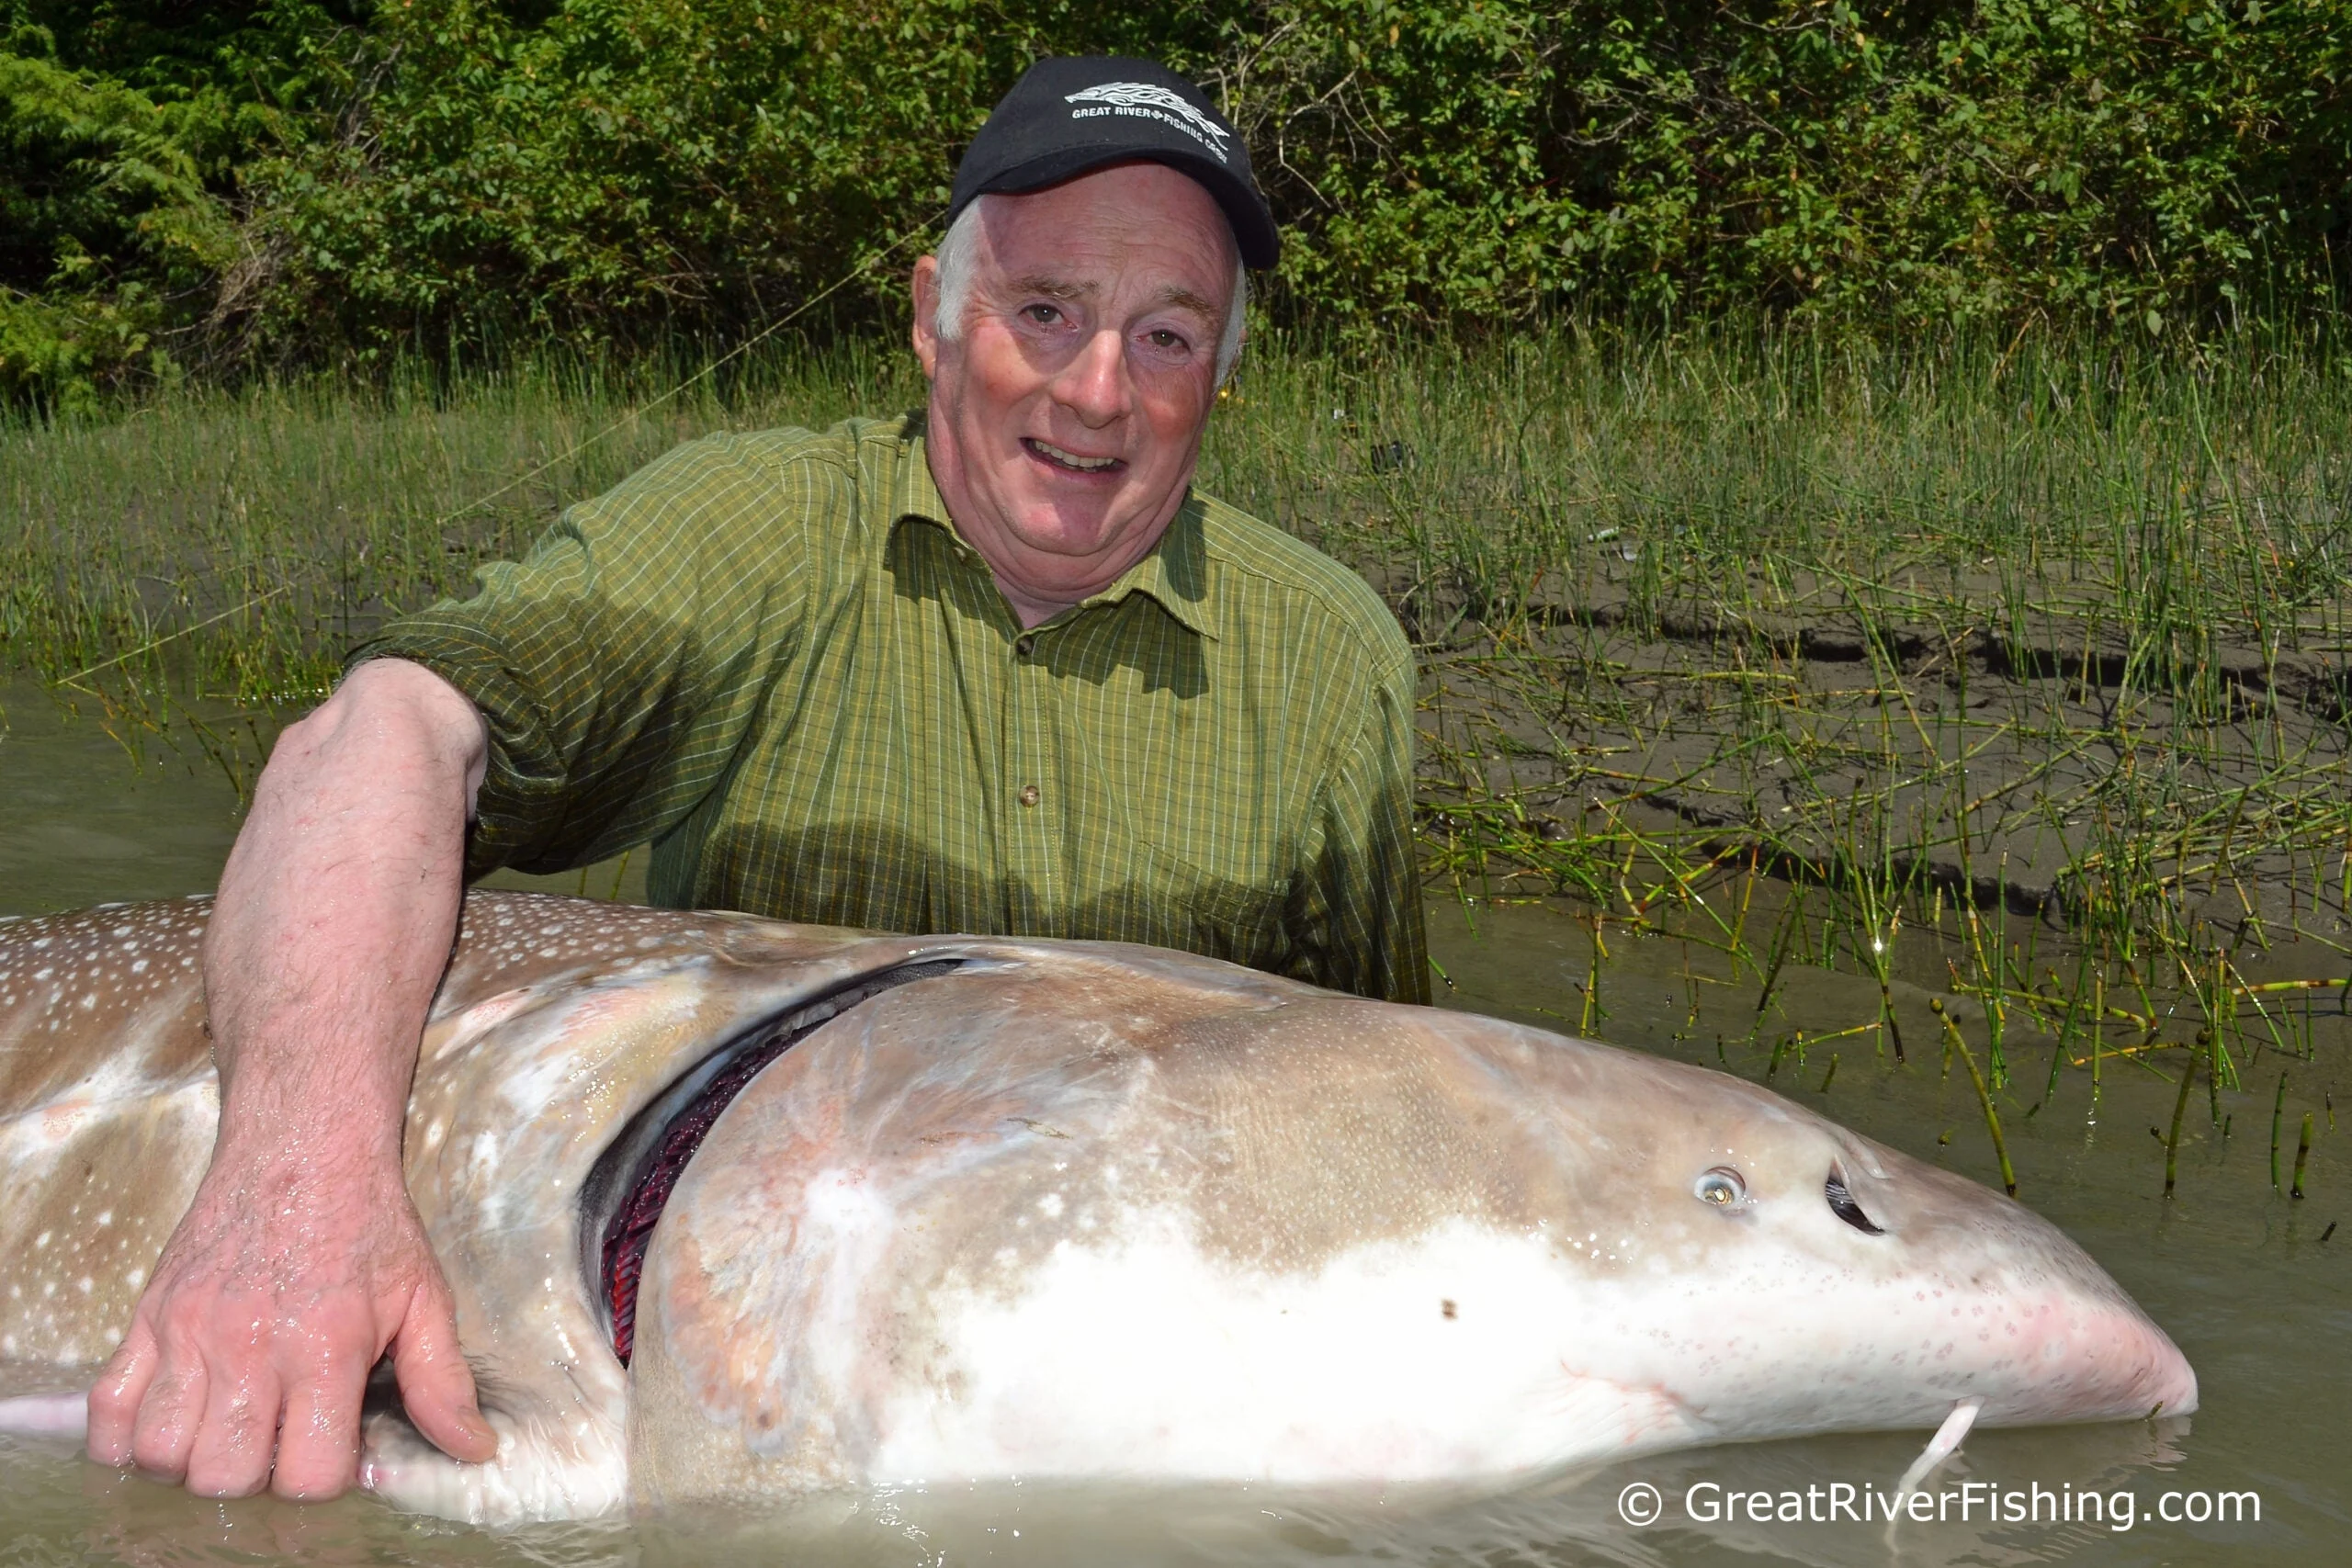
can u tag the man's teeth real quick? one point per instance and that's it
(1071, 459)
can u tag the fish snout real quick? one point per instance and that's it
(2114, 1364)
(2170, 1382)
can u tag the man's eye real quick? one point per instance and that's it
(1044, 315)
(1165, 339)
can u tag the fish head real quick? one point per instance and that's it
(1774, 1272)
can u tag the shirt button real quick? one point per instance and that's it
(1028, 794)
(1025, 646)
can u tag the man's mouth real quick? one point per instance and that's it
(1069, 460)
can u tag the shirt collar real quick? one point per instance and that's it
(1174, 575)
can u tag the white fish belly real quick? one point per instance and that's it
(1446, 1357)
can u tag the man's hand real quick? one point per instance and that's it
(247, 1359)
(302, 1261)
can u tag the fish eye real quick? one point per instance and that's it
(1721, 1188)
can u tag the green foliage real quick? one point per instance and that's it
(624, 168)
(467, 176)
(122, 126)
(1907, 161)
(102, 213)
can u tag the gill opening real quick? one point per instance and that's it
(631, 1183)
(1842, 1203)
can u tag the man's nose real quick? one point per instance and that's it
(1093, 383)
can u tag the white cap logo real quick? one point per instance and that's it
(1144, 101)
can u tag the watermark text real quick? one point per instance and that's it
(1965, 1502)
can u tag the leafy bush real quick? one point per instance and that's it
(103, 216)
(1899, 162)
(627, 168)
(462, 174)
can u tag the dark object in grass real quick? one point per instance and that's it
(2277, 1111)
(2303, 1157)
(2172, 1144)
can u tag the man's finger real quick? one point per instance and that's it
(115, 1397)
(436, 1386)
(318, 1441)
(230, 1455)
(168, 1415)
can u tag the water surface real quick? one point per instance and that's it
(2243, 1279)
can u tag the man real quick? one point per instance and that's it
(995, 669)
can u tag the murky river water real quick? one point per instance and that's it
(2246, 1281)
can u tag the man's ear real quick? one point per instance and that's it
(926, 326)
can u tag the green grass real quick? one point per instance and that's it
(2034, 648)
(2209, 489)
(229, 545)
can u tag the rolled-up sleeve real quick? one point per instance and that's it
(619, 665)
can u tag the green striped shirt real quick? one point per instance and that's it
(771, 656)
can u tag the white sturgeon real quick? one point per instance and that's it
(957, 1208)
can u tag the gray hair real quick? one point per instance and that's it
(958, 252)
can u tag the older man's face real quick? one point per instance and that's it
(1066, 419)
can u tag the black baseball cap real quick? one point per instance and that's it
(1074, 113)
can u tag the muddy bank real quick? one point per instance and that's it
(2040, 742)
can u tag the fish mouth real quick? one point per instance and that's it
(631, 1182)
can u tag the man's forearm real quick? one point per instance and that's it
(300, 1262)
(335, 918)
